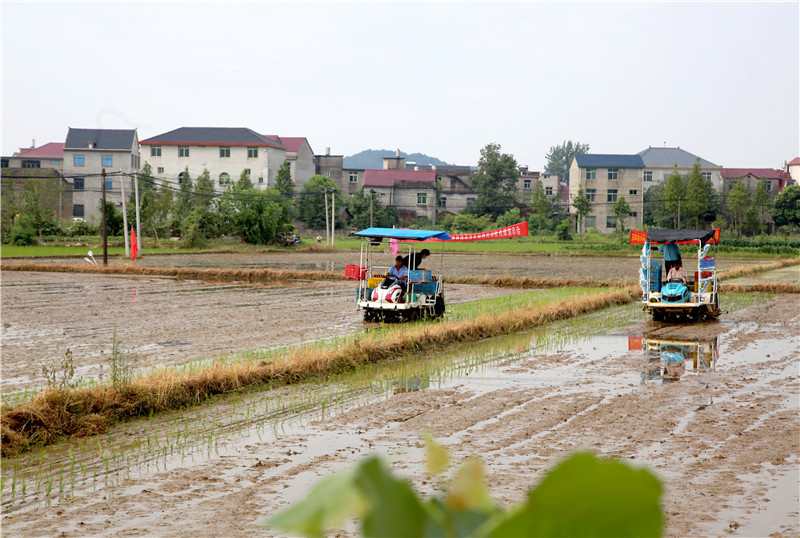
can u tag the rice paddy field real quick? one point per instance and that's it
(520, 377)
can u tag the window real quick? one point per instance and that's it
(611, 222)
(613, 174)
(183, 151)
(109, 184)
(180, 178)
(442, 202)
(526, 184)
(633, 192)
(634, 214)
(160, 169)
(78, 185)
(769, 186)
(590, 194)
(327, 173)
(31, 163)
(78, 160)
(77, 210)
(247, 171)
(4, 163)
(260, 180)
(591, 221)
(706, 175)
(422, 198)
(224, 178)
(470, 202)
(108, 160)
(155, 151)
(224, 151)
(55, 163)
(612, 195)
(591, 173)
(353, 177)
(548, 191)
(252, 153)
(647, 175)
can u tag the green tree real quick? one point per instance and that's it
(541, 208)
(559, 158)
(162, 209)
(311, 201)
(675, 195)
(42, 219)
(358, 206)
(243, 183)
(183, 203)
(786, 210)
(204, 191)
(509, 218)
(148, 198)
(738, 203)
(655, 210)
(761, 205)
(495, 182)
(263, 215)
(622, 210)
(113, 218)
(283, 181)
(467, 223)
(582, 207)
(696, 203)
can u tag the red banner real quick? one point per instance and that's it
(517, 230)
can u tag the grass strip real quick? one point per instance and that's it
(55, 414)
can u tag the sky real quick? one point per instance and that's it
(720, 80)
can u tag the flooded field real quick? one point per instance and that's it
(711, 407)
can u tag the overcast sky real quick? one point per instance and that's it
(717, 79)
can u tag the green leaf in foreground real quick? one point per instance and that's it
(327, 506)
(588, 496)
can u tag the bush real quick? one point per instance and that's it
(80, 228)
(563, 230)
(23, 231)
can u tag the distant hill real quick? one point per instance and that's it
(372, 159)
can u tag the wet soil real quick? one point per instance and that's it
(164, 321)
(720, 427)
(721, 431)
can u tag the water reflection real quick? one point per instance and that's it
(669, 360)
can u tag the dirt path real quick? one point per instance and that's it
(722, 432)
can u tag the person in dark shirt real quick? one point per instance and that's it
(416, 258)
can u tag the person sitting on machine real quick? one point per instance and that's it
(677, 274)
(412, 261)
(398, 274)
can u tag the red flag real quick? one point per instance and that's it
(134, 244)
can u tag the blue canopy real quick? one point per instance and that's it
(403, 233)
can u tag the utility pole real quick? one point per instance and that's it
(327, 224)
(333, 215)
(371, 198)
(124, 218)
(138, 220)
(105, 234)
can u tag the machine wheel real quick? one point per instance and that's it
(438, 308)
(658, 315)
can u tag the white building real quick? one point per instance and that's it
(225, 151)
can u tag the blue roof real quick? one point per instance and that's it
(600, 160)
(100, 139)
(670, 156)
(404, 233)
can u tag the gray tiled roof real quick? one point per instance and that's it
(213, 136)
(600, 160)
(669, 157)
(100, 138)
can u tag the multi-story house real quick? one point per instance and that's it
(87, 152)
(607, 177)
(411, 192)
(661, 162)
(300, 157)
(50, 155)
(225, 152)
(776, 180)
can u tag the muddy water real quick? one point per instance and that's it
(721, 429)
